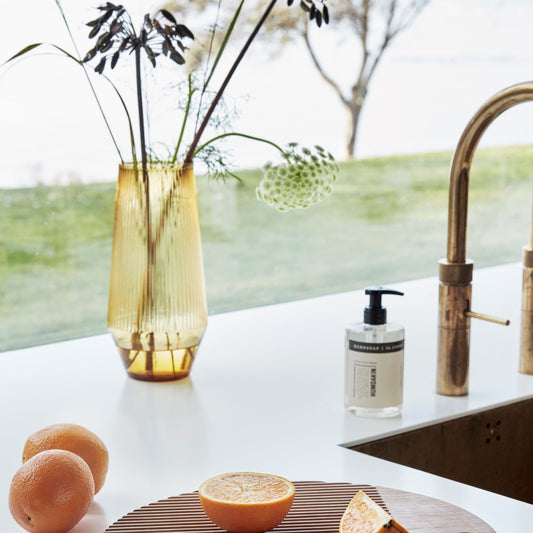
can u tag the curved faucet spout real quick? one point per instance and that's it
(455, 273)
(462, 161)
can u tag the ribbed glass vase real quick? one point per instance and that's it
(157, 305)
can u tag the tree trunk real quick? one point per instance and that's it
(354, 107)
(351, 137)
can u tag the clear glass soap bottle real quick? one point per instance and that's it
(374, 361)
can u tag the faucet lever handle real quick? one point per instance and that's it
(488, 318)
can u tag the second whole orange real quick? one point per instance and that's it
(73, 438)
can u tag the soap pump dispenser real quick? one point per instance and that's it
(374, 361)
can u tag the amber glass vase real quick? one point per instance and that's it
(157, 305)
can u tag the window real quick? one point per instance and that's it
(384, 223)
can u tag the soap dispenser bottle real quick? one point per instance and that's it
(374, 361)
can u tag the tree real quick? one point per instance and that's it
(373, 23)
(392, 18)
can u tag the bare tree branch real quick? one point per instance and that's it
(321, 70)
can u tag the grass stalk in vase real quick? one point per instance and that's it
(193, 151)
(145, 304)
(192, 148)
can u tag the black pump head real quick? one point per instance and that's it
(375, 313)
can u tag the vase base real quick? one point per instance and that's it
(158, 365)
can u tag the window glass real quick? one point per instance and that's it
(384, 223)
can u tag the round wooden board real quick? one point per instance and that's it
(317, 508)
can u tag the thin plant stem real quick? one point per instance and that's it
(140, 110)
(130, 125)
(60, 7)
(206, 75)
(224, 42)
(192, 149)
(237, 134)
(150, 247)
(184, 122)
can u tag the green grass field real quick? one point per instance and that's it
(385, 222)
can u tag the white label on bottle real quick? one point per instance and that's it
(375, 374)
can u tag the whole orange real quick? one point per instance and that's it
(51, 492)
(75, 439)
(246, 502)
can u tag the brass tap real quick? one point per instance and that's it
(455, 272)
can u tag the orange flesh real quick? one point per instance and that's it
(363, 515)
(244, 488)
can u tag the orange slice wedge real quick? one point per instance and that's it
(364, 515)
(246, 502)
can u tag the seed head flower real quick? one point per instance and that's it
(304, 178)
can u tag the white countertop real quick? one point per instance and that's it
(265, 394)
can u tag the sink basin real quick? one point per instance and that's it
(491, 449)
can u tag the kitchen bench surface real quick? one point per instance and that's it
(265, 394)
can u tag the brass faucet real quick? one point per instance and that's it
(455, 272)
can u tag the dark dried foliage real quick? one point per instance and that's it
(159, 35)
(316, 10)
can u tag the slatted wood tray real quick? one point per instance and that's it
(317, 508)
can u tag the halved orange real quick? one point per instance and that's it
(364, 515)
(246, 502)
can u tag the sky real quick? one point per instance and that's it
(431, 81)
